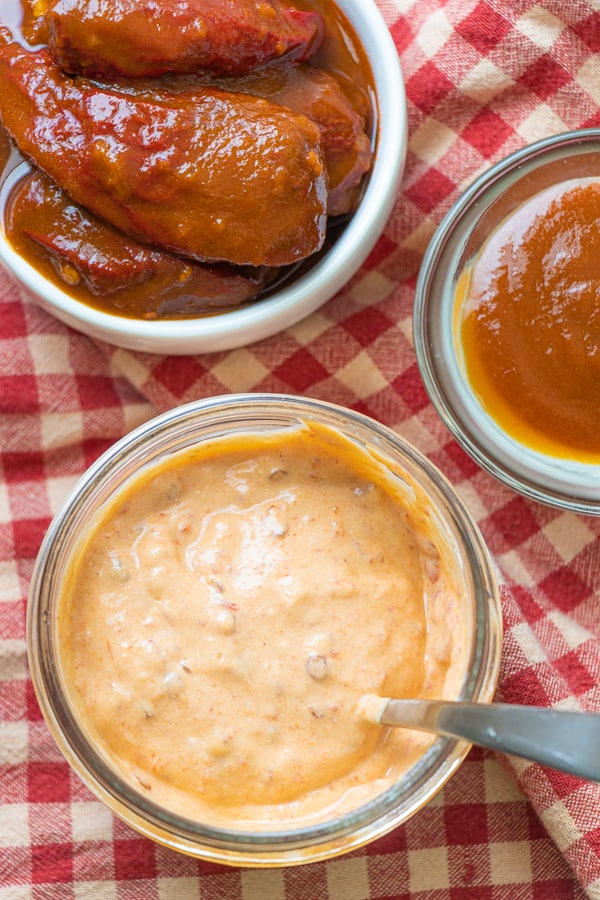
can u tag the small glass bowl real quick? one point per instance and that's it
(559, 482)
(187, 426)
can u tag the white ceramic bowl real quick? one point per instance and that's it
(299, 298)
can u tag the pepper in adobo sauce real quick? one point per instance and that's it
(202, 184)
(530, 323)
(132, 39)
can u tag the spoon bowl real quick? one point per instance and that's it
(563, 740)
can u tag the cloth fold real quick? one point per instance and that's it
(483, 78)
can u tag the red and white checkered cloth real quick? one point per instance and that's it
(483, 77)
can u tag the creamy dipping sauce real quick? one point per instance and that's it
(231, 606)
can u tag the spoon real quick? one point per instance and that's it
(568, 741)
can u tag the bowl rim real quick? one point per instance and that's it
(561, 483)
(303, 844)
(285, 308)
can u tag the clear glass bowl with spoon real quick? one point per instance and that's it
(277, 842)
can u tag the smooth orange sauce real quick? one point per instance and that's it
(530, 324)
(230, 608)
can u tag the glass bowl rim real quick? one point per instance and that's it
(308, 843)
(555, 482)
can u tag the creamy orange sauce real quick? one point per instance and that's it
(232, 605)
(530, 322)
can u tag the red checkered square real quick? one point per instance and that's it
(392, 843)
(588, 31)
(12, 617)
(50, 822)
(367, 325)
(465, 465)
(470, 868)
(466, 823)
(527, 687)
(565, 589)
(49, 783)
(19, 392)
(34, 713)
(593, 121)
(14, 322)
(93, 448)
(428, 87)
(554, 889)
(304, 882)
(301, 371)
(484, 28)
(564, 786)
(23, 467)
(171, 865)
(383, 405)
(92, 861)
(134, 859)
(579, 677)
(432, 187)
(545, 76)
(588, 848)
(206, 867)
(178, 378)
(511, 525)
(466, 893)
(471, 786)
(411, 390)
(320, 349)
(509, 822)
(401, 34)
(95, 392)
(527, 604)
(51, 863)
(7, 552)
(28, 535)
(487, 132)
(380, 252)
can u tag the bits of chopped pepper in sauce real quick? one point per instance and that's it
(305, 576)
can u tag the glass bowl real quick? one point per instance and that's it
(286, 842)
(566, 483)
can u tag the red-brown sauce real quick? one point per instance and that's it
(530, 328)
(119, 275)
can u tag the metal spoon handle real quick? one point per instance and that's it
(569, 741)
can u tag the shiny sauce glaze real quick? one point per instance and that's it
(230, 607)
(96, 263)
(530, 322)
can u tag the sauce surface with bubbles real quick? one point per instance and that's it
(231, 607)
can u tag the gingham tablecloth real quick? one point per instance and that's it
(483, 78)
